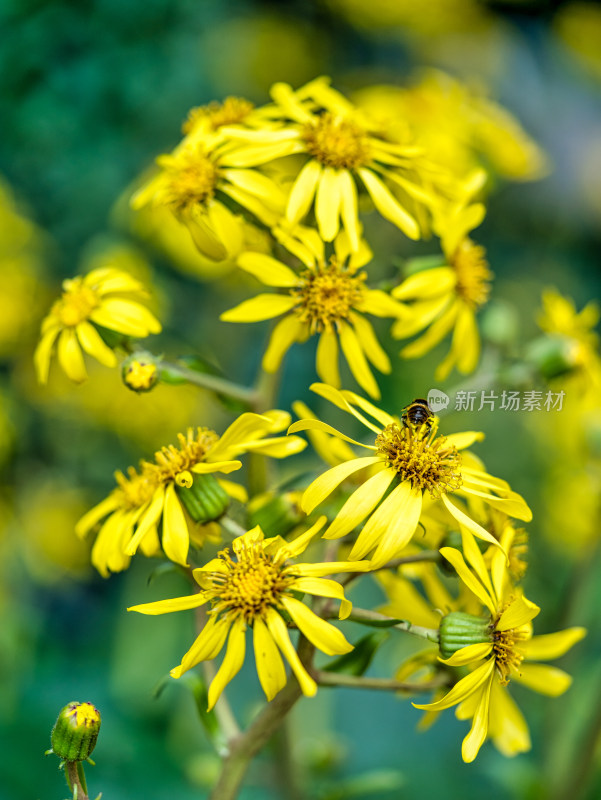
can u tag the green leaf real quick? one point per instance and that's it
(358, 660)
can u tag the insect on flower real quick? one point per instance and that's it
(418, 415)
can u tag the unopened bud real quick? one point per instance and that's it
(459, 630)
(140, 372)
(202, 495)
(75, 732)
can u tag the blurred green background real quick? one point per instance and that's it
(90, 93)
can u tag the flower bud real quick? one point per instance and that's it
(140, 372)
(202, 496)
(459, 630)
(75, 732)
(553, 356)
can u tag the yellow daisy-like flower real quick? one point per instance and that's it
(178, 480)
(447, 298)
(408, 460)
(252, 585)
(198, 181)
(346, 151)
(328, 299)
(105, 297)
(499, 650)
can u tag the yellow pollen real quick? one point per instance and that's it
(232, 111)
(76, 304)
(336, 142)
(85, 714)
(422, 458)
(134, 489)
(473, 275)
(190, 181)
(170, 461)
(252, 583)
(507, 658)
(327, 294)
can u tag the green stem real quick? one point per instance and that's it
(73, 780)
(362, 615)
(214, 383)
(244, 747)
(425, 555)
(324, 678)
(232, 527)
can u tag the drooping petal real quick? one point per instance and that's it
(288, 331)
(507, 727)
(149, 518)
(206, 646)
(232, 661)
(467, 576)
(388, 205)
(94, 515)
(323, 587)
(176, 539)
(355, 358)
(270, 667)
(324, 485)
(259, 308)
(519, 612)
(435, 334)
(348, 208)
(326, 361)
(70, 356)
(370, 344)
(279, 631)
(463, 689)
(125, 316)
(381, 416)
(468, 654)
(92, 343)
(303, 191)
(361, 503)
(543, 678)
(300, 544)
(43, 353)
(322, 634)
(337, 398)
(477, 735)
(552, 645)
(327, 204)
(468, 522)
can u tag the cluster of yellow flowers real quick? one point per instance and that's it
(298, 175)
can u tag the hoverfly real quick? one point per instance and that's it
(418, 415)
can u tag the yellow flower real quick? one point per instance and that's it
(409, 460)
(198, 181)
(251, 585)
(174, 481)
(105, 297)
(327, 299)
(500, 649)
(345, 152)
(447, 298)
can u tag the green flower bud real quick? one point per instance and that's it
(459, 630)
(203, 497)
(140, 371)
(75, 732)
(277, 514)
(553, 356)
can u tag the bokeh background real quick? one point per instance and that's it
(90, 93)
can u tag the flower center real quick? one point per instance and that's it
(421, 458)
(170, 461)
(190, 180)
(327, 294)
(252, 583)
(473, 275)
(336, 142)
(232, 111)
(85, 714)
(76, 304)
(134, 489)
(507, 658)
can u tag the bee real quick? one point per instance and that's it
(418, 415)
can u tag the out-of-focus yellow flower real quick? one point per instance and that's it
(106, 297)
(458, 126)
(412, 460)
(197, 183)
(329, 299)
(176, 482)
(497, 648)
(578, 25)
(251, 585)
(446, 298)
(344, 152)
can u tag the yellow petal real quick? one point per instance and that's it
(300, 544)
(248, 427)
(322, 587)
(324, 485)
(543, 678)
(339, 399)
(327, 357)
(94, 515)
(477, 735)
(175, 529)
(172, 604)
(234, 490)
(519, 612)
(149, 518)
(43, 354)
(427, 284)
(463, 689)
(268, 270)
(507, 727)
(380, 304)
(370, 344)
(355, 357)
(205, 467)
(278, 447)
(206, 646)
(463, 440)
(552, 645)
(381, 416)
(322, 634)
(404, 512)
(259, 308)
(232, 661)
(388, 205)
(472, 652)
(435, 333)
(125, 316)
(327, 204)
(318, 425)
(460, 225)
(70, 357)
(468, 522)
(466, 341)
(473, 584)
(270, 667)
(348, 207)
(288, 331)
(279, 631)
(361, 503)
(92, 343)
(303, 191)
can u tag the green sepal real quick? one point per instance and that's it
(358, 660)
(378, 623)
(205, 500)
(72, 741)
(421, 263)
(200, 692)
(458, 630)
